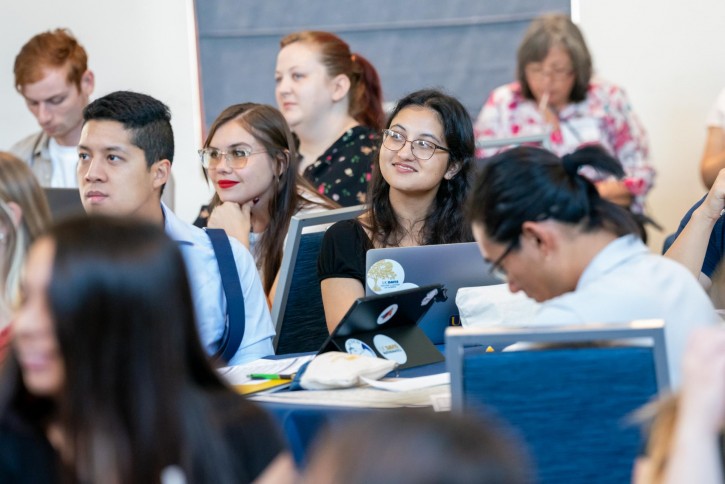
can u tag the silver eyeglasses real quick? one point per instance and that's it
(556, 74)
(236, 157)
(422, 149)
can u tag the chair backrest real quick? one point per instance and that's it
(64, 202)
(297, 310)
(571, 403)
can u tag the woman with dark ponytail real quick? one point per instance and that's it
(547, 232)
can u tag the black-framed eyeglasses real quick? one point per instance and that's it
(496, 269)
(421, 148)
(236, 157)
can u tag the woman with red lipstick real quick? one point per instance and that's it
(250, 157)
(418, 188)
(332, 100)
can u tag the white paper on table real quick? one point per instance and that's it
(441, 402)
(237, 375)
(364, 397)
(408, 384)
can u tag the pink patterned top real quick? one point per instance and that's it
(605, 117)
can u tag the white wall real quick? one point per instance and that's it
(668, 55)
(141, 45)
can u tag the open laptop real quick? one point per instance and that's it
(64, 202)
(455, 265)
(386, 326)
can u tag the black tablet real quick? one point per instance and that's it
(386, 326)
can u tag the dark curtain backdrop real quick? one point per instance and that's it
(466, 47)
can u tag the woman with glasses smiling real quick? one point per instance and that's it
(549, 233)
(556, 96)
(250, 157)
(416, 194)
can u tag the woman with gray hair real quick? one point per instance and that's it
(557, 97)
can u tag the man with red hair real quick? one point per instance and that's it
(52, 75)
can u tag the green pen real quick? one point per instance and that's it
(271, 376)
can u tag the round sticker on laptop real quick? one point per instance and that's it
(357, 347)
(387, 313)
(390, 348)
(384, 276)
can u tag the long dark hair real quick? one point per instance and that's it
(270, 129)
(530, 184)
(445, 223)
(138, 389)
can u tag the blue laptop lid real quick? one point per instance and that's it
(454, 265)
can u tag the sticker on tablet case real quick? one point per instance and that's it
(428, 297)
(387, 313)
(385, 275)
(390, 348)
(357, 347)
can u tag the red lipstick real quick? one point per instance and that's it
(224, 184)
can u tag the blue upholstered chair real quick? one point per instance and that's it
(297, 311)
(571, 402)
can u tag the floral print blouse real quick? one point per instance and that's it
(343, 171)
(605, 117)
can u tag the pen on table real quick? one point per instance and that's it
(272, 376)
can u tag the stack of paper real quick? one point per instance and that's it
(404, 392)
(238, 376)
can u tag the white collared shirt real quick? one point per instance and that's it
(625, 282)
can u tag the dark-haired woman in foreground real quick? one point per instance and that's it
(107, 380)
(416, 195)
(549, 233)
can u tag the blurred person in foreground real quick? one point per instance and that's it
(412, 447)
(107, 380)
